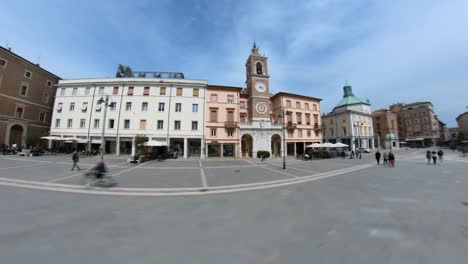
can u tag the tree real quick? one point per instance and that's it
(124, 71)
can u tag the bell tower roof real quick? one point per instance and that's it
(255, 49)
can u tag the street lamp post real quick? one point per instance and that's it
(283, 116)
(106, 104)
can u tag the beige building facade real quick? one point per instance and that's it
(417, 123)
(385, 125)
(222, 121)
(350, 122)
(27, 94)
(462, 121)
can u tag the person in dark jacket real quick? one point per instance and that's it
(440, 154)
(75, 158)
(434, 157)
(391, 159)
(428, 157)
(377, 157)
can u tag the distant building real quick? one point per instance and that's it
(27, 95)
(385, 128)
(417, 123)
(462, 121)
(350, 122)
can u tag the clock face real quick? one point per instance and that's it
(261, 108)
(260, 87)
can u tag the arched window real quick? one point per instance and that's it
(259, 68)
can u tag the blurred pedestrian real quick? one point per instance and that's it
(377, 157)
(440, 154)
(391, 159)
(428, 157)
(385, 158)
(434, 157)
(75, 158)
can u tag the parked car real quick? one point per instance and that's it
(365, 150)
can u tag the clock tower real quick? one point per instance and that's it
(258, 87)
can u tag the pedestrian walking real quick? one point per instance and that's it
(377, 157)
(351, 155)
(75, 158)
(385, 158)
(440, 154)
(428, 157)
(434, 157)
(391, 159)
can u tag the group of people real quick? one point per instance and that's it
(434, 156)
(388, 158)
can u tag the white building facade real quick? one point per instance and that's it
(170, 111)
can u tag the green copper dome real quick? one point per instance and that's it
(349, 98)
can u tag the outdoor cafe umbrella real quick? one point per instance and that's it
(51, 138)
(154, 143)
(340, 145)
(315, 145)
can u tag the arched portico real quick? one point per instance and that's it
(276, 145)
(16, 134)
(246, 145)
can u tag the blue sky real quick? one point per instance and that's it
(389, 51)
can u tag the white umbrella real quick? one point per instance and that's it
(51, 138)
(154, 143)
(340, 145)
(328, 145)
(315, 145)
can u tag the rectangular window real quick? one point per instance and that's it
(299, 118)
(72, 107)
(306, 105)
(288, 103)
(344, 131)
(298, 105)
(162, 91)
(308, 133)
(69, 123)
(27, 74)
(194, 108)
(98, 107)
(62, 91)
(213, 132)
(230, 116)
(42, 116)
(194, 125)
(160, 124)
(111, 123)
(214, 98)
(230, 132)
(146, 91)
(101, 90)
(49, 83)
(128, 106)
(87, 90)
(24, 89)
(196, 92)
(3, 63)
(96, 123)
(130, 91)
(74, 91)
(307, 119)
(84, 107)
(127, 123)
(214, 116)
(314, 107)
(315, 120)
(115, 91)
(242, 119)
(57, 122)
(59, 107)
(299, 133)
(19, 112)
(144, 107)
(177, 125)
(143, 124)
(113, 106)
(179, 92)
(230, 99)
(161, 107)
(45, 97)
(82, 123)
(178, 107)
(242, 105)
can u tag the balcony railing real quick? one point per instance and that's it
(317, 127)
(291, 126)
(231, 124)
